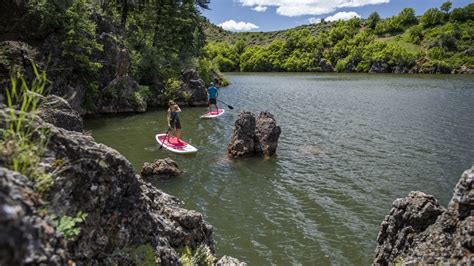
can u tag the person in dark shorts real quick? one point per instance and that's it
(173, 119)
(212, 94)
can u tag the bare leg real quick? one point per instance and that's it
(178, 134)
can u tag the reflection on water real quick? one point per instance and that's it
(350, 145)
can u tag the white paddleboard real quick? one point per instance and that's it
(174, 145)
(213, 114)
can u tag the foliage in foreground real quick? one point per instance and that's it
(198, 256)
(69, 226)
(21, 145)
(440, 37)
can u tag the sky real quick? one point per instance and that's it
(271, 15)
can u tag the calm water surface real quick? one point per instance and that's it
(350, 145)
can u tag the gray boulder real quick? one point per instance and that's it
(325, 65)
(57, 111)
(242, 143)
(163, 169)
(254, 137)
(27, 237)
(419, 231)
(267, 134)
(229, 261)
(379, 67)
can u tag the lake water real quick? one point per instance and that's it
(350, 145)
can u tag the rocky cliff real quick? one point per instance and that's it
(420, 231)
(128, 221)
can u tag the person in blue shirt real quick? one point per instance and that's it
(212, 94)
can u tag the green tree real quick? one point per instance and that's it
(446, 6)
(431, 17)
(373, 20)
(407, 17)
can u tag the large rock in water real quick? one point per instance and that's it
(267, 134)
(242, 143)
(419, 231)
(163, 168)
(57, 111)
(27, 237)
(254, 137)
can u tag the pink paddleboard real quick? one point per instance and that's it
(213, 114)
(174, 145)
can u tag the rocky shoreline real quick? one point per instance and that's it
(420, 231)
(128, 220)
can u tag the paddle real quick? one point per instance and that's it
(230, 106)
(161, 146)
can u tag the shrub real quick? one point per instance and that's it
(431, 17)
(172, 86)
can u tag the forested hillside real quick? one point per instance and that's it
(438, 41)
(109, 55)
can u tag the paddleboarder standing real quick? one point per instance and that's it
(173, 119)
(212, 94)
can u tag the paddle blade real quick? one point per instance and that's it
(230, 107)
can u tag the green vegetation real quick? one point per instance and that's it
(21, 144)
(439, 41)
(198, 256)
(172, 86)
(162, 38)
(69, 226)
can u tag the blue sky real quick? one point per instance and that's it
(284, 14)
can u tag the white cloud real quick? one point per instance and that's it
(342, 16)
(233, 25)
(260, 8)
(314, 20)
(292, 8)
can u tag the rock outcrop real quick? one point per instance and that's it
(267, 134)
(27, 236)
(163, 169)
(57, 111)
(254, 137)
(242, 143)
(193, 89)
(419, 231)
(325, 66)
(120, 96)
(229, 261)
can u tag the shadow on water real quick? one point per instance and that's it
(350, 145)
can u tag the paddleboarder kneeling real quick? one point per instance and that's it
(173, 119)
(212, 94)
